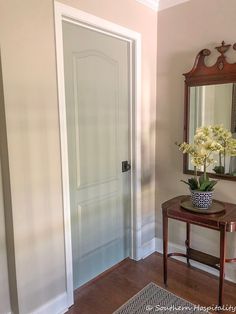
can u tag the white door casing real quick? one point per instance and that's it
(66, 13)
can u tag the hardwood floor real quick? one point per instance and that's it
(111, 290)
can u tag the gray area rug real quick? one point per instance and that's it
(154, 299)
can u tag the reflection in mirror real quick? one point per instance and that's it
(214, 105)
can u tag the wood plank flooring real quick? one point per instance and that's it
(111, 290)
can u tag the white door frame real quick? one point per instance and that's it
(62, 13)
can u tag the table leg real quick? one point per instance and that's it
(187, 242)
(165, 246)
(222, 263)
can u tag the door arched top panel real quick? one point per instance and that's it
(96, 109)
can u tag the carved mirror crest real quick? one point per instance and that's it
(210, 99)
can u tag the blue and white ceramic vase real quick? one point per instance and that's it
(201, 199)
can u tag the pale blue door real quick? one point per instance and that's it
(96, 70)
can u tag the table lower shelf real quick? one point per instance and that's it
(204, 258)
(200, 257)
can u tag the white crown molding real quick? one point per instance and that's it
(159, 5)
(152, 4)
(165, 4)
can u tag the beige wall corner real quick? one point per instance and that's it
(5, 306)
(183, 31)
(8, 290)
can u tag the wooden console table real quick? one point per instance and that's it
(223, 222)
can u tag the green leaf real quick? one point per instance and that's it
(201, 179)
(185, 182)
(208, 185)
(219, 169)
(212, 184)
(207, 178)
(204, 186)
(193, 183)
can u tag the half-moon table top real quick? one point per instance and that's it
(172, 209)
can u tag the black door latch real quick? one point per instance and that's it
(125, 166)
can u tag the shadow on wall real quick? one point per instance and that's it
(7, 201)
(170, 118)
(149, 161)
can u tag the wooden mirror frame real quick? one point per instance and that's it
(219, 73)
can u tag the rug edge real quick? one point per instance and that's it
(153, 283)
(130, 299)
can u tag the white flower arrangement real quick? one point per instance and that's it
(208, 140)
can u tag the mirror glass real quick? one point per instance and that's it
(213, 105)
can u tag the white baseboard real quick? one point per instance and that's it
(172, 247)
(148, 248)
(57, 305)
